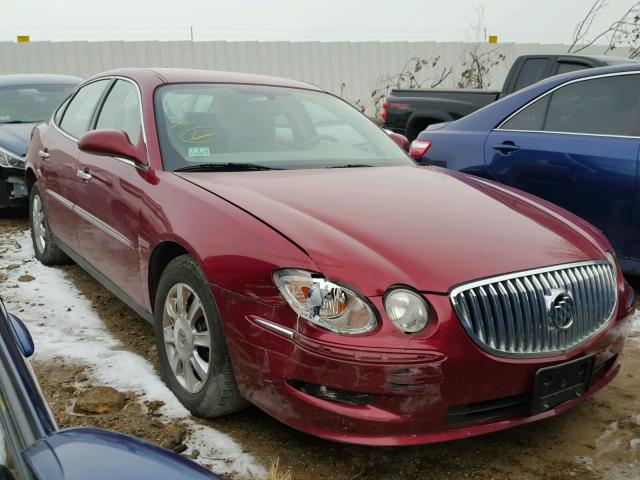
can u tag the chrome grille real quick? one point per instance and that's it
(509, 315)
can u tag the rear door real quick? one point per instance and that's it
(59, 158)
(577, 146)
(109, 201)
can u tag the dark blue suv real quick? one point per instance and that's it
(572, 139)
(32, 448)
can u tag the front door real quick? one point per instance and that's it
(578, 148)
(109, 197)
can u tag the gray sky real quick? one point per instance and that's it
(544, 21)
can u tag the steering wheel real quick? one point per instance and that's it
(317, 139)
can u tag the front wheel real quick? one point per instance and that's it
(194, 361)
(44, 245)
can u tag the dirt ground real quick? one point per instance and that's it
(596, 440)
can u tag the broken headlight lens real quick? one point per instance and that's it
(324, 303)
(10, 161)
(407, 310)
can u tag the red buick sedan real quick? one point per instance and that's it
(291, 255)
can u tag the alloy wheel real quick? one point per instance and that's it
(38, 223)
(187, 337)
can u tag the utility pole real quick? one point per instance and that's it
(191, 31)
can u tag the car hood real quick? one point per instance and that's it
(15, 137)
(425, 227)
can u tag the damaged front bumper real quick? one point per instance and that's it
(13, 189)
(391, 389)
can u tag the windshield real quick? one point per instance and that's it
(266, 127)
(30, 103)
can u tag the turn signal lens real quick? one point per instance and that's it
(407, 310)
(419, 148)
(326, 304)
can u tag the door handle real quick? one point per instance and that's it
(506, 148)
(43, 154)
(84, 175)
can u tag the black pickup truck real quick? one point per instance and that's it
(408, 112)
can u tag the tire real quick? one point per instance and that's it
(44, 244)
(181, 338)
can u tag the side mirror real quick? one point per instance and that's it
(114, 143)
(401, 140)
(23, 337)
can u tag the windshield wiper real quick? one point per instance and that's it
(350, 165)
(14, 122)
(229, 166)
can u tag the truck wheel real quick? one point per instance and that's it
(194, 362)
(44, 245)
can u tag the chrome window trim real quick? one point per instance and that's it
(282, 331)
(109, 230)
(558, 87)
(144, 131)
(455, 291)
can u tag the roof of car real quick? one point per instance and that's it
(186, 75)
(38, 79)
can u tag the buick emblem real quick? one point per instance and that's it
(561, 309)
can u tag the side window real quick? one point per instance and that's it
(533, 70)
(531, 118)
(77, 116)
(565, 67)
(60, 111)
(121, 111)
(606, 106)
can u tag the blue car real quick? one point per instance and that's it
(572, 139)
(32, 447)
(25, 101)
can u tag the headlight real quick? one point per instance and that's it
(325, 303)
(407, 310)
(10, 161)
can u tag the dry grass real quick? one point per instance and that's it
(276, 473)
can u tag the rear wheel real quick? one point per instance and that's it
(44, 245)
(194, 362)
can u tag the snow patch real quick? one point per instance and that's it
(66, 325)
(605, 443)
(635, 326)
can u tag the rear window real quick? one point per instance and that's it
(532, 71)
(276, 127)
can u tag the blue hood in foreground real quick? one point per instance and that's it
(86, 453)
(15, 137)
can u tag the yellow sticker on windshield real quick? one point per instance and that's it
(198, 135)
(198, 152)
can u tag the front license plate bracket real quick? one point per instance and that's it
(558, 384)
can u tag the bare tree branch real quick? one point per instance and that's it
(624, 32)
(584, 26)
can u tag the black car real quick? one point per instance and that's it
(25, 100)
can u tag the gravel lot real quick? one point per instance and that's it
(599, 439)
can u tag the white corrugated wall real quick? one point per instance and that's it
(351, 68)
